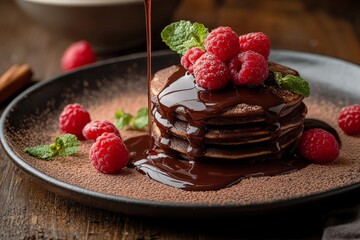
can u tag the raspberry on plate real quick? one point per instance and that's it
(73, 119)
(76, 55)
(109, 154)
(349, 119)
(249, 69)
(189, 58)
(210, 72)
(223, 42)
(257, 42)
(94, 129)
(318, 145)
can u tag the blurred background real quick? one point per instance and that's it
(305, 25)
(38, 31)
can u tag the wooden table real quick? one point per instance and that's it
(29, 211)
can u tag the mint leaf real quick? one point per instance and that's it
(139, 122)
(183, 35)
(42, 152)
(122, 119)
(64, 145)
(141, 119)
(69, 144)
(295, 84)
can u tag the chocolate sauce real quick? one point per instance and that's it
(205, 175)
(202, 175)
(199, 104)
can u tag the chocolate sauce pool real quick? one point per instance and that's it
(200, 175)
(204, 175)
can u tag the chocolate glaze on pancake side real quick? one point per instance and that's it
(207, 134)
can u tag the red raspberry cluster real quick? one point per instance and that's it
(108, 154)
(228, 57)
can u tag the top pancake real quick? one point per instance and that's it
(240, 113)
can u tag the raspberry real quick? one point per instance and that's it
(318, 145)
(94, 129)
(210, 72)
(190, 57)
(257, 42)
(248, 68)
(76, 55)
(73, 119)
(349, 119)
(109, 154)
(223, 42)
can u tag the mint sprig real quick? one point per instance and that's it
(138, 122)
(64, 145)
(122, 119)
(141, 120)
(183, 35)
(295, 84)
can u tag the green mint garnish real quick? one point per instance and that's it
(183, 35)
(122, 119)
(42, 152)
(295, 84)
(64, 145)
(139, 122)
(141, 119)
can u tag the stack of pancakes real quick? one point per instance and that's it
(239, 132)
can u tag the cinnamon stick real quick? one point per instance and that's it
(13, 80)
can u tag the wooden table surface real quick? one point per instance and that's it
(29, 211)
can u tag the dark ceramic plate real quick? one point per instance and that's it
(331, 77)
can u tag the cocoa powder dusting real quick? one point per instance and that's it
(78, 171)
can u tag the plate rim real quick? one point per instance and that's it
(124, 201)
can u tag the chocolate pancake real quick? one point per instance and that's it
(235, 134)
(231, 123)
(262, 150)
(243, 112)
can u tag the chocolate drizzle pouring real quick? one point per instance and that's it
(147, 5)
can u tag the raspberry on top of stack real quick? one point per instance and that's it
(228, 57)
